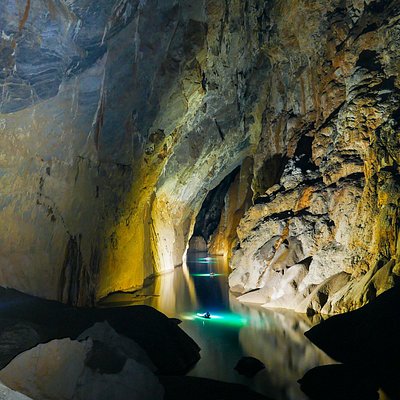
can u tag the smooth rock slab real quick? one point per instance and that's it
(9, 394)
(59, 370)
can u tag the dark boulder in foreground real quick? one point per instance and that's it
(249, 366)
(193, 388)
(171, 350)
(367, 339)
(339, 381)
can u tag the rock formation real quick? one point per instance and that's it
(117, 118)
(63, 370)
(322, 235)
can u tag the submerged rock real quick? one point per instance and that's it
(365, 339)
(338, 381)
(249, 366)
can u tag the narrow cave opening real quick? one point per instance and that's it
(209, 216)
(303, 153)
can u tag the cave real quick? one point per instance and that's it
(189, 186)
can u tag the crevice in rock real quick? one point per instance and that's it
(209, 216)
(368, 59)
(69, 283)
(271, 171)
(304, 153)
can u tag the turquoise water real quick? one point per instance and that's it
(234, 329)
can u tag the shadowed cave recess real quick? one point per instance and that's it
(263, 131)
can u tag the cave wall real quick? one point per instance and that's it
(118, 117)
(322, 235)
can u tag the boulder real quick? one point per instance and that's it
(339, 381)
(249, 366)
(168, 347)
(70, 370)
(102, 332)
(366, 337)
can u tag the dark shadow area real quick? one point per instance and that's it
(210, 213)
(366, 341)
(304, 153)
(271, 172)
(184, 387)
(26, 321)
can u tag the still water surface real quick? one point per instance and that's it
(234, 330)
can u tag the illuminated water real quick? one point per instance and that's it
(234, 330)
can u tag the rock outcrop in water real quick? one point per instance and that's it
(118, 117)
(363, 340)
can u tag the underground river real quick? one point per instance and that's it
(234, 330)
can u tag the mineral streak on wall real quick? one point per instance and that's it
(118, 117)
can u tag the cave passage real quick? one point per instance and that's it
(234, 329)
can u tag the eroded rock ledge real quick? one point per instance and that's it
(322, 235)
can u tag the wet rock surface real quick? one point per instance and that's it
(321, 235)
(339, 381)
(249, 366)
(364, 340)
(170, 352)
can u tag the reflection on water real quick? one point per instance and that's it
(234, 329)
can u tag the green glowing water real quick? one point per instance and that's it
(234, 329)
(223, 319)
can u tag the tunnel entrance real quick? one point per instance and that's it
(209, 216)
(221, 211)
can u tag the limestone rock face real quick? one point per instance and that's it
(116, 119)
(322, 235)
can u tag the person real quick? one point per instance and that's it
(207, 315)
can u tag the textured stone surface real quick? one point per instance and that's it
(9, 394)
(60, 370)
(26, 321)
(322, 235)
(118, 117)
(104, 333)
